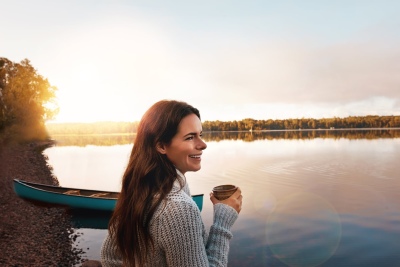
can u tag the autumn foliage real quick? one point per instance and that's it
(27, 100)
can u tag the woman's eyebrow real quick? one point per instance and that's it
(192, 133)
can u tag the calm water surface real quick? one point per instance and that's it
(307, 201)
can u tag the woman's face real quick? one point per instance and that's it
(186, 146)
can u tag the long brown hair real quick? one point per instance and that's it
(148, 174)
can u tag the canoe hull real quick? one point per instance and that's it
(28, 191)
(55, 196)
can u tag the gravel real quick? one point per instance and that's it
(32, 235)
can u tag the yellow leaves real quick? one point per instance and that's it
(28, 98)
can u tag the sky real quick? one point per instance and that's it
(111, 60)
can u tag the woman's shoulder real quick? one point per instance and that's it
(178, 202)
(176, 209)
(179, 198)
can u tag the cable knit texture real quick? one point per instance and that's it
(180, 236)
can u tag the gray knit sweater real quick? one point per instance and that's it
(180, 237)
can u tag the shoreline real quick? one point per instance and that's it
(32, 235)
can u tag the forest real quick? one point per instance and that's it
(27, 101)
(303, 124)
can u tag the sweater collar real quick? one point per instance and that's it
(177, 186)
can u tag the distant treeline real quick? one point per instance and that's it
(295, 124)
(108, 127)
(242, 125)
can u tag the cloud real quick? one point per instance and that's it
(293, 73)
(134, 61)
(125, 59)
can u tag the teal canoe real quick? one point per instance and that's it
(74, 197)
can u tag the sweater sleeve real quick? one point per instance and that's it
(220, 234)
(182, 234)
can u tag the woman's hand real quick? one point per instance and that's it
(235, 201)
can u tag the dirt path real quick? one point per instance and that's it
(31, 235)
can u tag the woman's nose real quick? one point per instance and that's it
(201, 145)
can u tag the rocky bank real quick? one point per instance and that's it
(32, 235)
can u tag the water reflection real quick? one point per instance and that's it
(304, 134)
(330, 200)
(89, 219)
(97, 140)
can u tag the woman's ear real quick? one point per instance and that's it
(161, 148)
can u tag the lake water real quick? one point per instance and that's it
(310, 198)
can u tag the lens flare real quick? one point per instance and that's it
(312, 222)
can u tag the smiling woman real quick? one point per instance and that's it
(155, 214)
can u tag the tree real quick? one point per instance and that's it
(27, 100)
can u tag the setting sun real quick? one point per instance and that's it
(111, 61)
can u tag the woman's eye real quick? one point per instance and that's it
(189, 138)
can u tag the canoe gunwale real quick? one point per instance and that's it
(32, 186)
